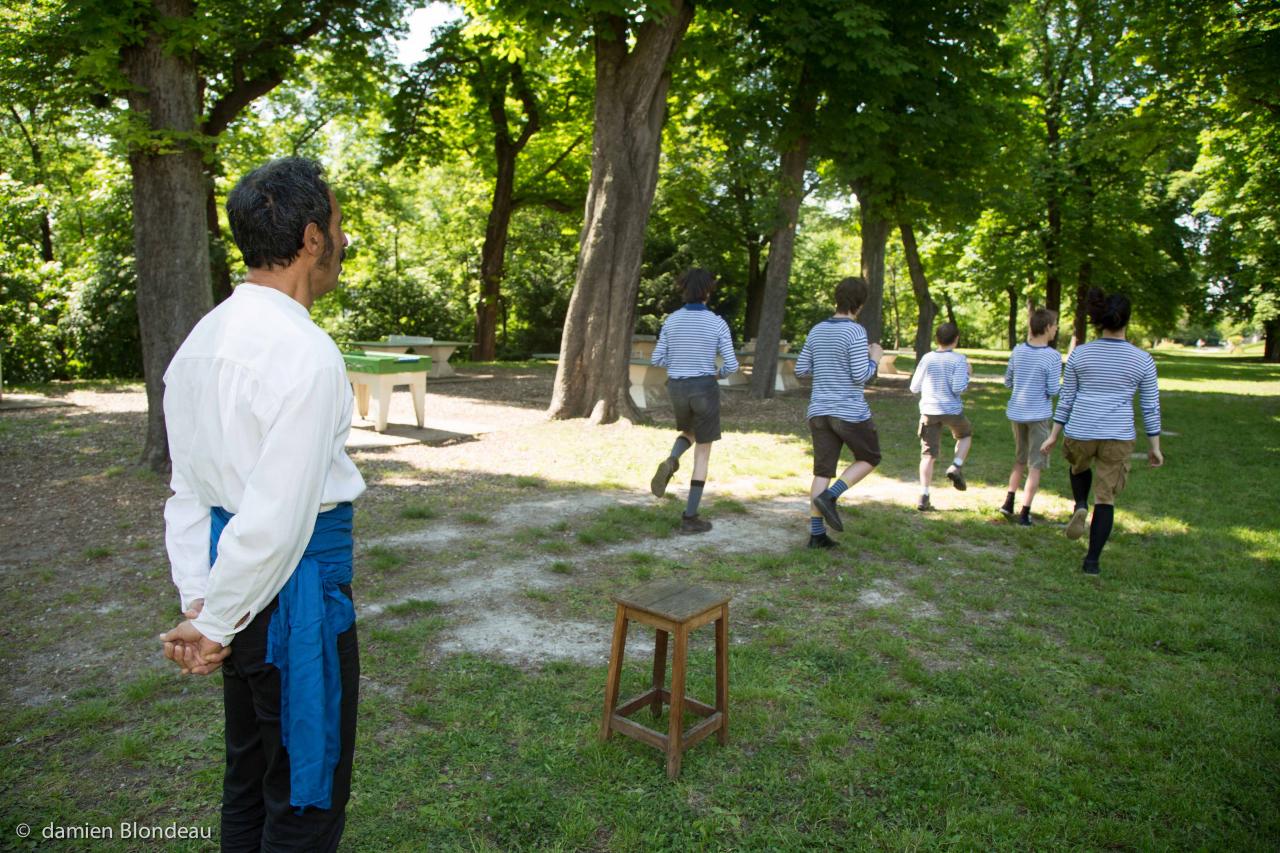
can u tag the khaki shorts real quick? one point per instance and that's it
(831, 433)
(1109, 460)
(1027, 438)
(931, 431)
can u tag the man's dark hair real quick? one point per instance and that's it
(851, 294)
(696, 284)
(1041, 320)
(947, 334)
(270, 207)
(1110, 313)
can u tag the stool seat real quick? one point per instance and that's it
(672, 608)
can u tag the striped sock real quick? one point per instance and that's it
(837, 488)
(695, 497)
(816, 526)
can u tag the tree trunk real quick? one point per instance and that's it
(37, 161)
(755, 289)
(1084, 277)
(951, 310)
(927, 308)
(493, 255)
(875, 233)
(1271, 334)
(782, 243)
(630, 108)
(170, 234)
(1013, 317)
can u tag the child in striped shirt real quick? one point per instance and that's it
(940, 378)
(1095, 410)
(688, 344)
(1035, 374)
(836, 354)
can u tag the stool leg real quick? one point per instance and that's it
(384, 403)
(659, 670)
(362, 399)
(675, 736)
(722, 673)
(418, 389)
(615, 671)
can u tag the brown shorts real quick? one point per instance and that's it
(931, 431)
(1109, 460)
(1027, 438)
(831, 433)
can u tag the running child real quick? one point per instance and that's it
(1095, 411)
(940, 378)
(1035, 375)
(836, 354)
(688, 344)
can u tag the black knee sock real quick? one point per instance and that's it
(1080, 485)
(695, 497)
(1100, 530)
(1008, 501)
(682, 444)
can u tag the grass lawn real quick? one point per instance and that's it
(943, 681)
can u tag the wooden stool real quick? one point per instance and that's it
(671, 607)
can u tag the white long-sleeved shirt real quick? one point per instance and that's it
(940, 378)
(689, 342)
(1035, 375)
(836, 355)
(257, 407)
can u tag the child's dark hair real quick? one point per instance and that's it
(947, 334)
(1107, 313)
(696, 284)
(1041, 320)
(851, 294)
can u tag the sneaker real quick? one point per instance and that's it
(1091, 567)
(694, 524)
(1007, 512)
(826, 505)
(956, 476)
(1079, 523)
(924, 505)
(667, 467)
(822, 540)
(1024, 521)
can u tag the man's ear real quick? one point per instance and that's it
(313, 239)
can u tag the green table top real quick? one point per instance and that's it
(379, 363)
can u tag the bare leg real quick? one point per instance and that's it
(1015, 477)
(962, 447)
(818, 486)
(701, 457)
(926, 472)
(855, 472)
(1033, 486)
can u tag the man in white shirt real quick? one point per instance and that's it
(258, 530)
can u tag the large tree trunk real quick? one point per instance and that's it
(1013, 316)
(782, 243)
(1271, 334)
(630, 108)
(171, 246)
(927, 309)
(1084, 277)
(493, 255)
(755, 288)
(875, 233)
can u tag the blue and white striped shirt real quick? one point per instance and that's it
(689, 342)
(835, 355)
(940, 379)
(1098, 385)
(1035, 375)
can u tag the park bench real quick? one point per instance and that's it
(381, 372)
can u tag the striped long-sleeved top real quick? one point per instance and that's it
(940, 379)
(835, 355)
(689, 342)
(1098, 385)
(1035, 375)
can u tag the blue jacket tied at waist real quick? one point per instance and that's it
(302, 642)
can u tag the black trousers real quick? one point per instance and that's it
(256, 814)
